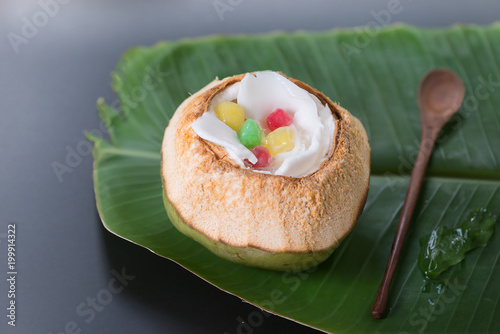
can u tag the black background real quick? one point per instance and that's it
(48, 90)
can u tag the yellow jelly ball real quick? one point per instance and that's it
(279, 141)
(230, 113)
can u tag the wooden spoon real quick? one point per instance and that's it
(440, 95)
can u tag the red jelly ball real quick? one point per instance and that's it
(264, 158)
(278, 119)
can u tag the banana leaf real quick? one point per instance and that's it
(374, 73)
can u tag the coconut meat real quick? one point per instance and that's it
(259, 94)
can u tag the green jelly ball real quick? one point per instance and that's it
(250, 134)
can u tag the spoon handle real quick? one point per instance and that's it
(417, 175)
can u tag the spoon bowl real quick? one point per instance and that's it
(440, 95)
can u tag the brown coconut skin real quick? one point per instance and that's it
(249, 210)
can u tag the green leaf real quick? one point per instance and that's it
(375, 76)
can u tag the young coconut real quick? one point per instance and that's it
(285, 212)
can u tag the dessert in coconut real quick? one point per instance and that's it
(265, 171)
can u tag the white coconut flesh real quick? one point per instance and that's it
(260, 94)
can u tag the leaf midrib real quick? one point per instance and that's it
(463, 177)
(130, 153)
(476, 177)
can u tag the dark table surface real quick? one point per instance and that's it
(55, 61)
